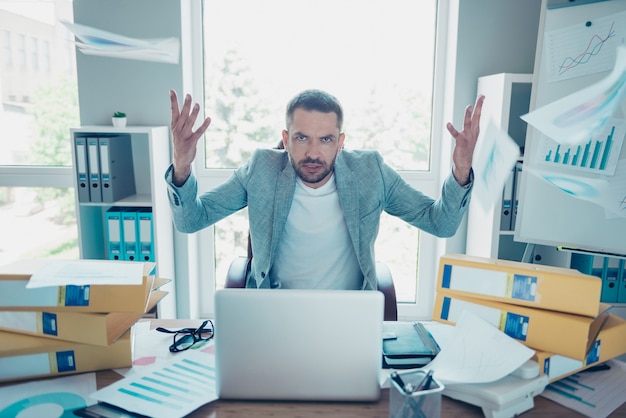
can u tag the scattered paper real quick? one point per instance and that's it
(493, 164)
(87, 272)
(151, 348)
(56, 397)
(594, 394)
(608, 192)
(574, 119)
(478, 352)
(98, 42)
(168, 390)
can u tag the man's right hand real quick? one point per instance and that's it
(184, 138)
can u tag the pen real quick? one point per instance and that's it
(428, 380)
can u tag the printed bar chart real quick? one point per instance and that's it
(598, 155)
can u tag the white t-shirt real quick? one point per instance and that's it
(315, 251)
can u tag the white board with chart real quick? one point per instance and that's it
(574, 195)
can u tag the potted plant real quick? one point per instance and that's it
(119, 119)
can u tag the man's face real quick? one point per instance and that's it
(313, 141)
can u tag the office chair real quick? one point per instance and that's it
(239, 267)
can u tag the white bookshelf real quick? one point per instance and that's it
(507, 97)
(150, 157)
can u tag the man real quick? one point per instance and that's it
(314, 208)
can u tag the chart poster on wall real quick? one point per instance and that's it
(582, 49)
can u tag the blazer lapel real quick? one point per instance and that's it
(347, 188)
(285, 187)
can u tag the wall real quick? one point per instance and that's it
(138, 88)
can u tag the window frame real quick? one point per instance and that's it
(430, 247)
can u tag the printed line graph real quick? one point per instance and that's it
(587, 47)
(593, 48)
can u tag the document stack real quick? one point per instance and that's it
(62, 317)
(556, 311)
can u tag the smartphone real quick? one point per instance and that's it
(105, 410)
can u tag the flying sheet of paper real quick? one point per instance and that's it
(575, 118)
(87, 272)
(493, 164)
(478, 352)
(606, 191)
(56, 397)
(595, 394)
(98, 42)
(169, 390)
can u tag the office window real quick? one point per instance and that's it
(6, 48)
(34, 54)
(21, 51)
(38, 109)
(45, 56)
(376, 57)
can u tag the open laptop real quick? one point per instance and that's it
(286, 344)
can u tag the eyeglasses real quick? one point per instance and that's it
(185, 338)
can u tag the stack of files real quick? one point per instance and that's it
(59, 330)
(551, 309)
(130, 234)
(104, 168)
(407, 345)
(610, 343)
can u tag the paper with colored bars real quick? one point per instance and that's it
(592, 393)
(171, 389)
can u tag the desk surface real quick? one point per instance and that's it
(450, 408)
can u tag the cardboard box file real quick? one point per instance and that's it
(611, 343)
(532, 285)
(27, 357)
(556, 332)
(82, 327)
(14, 295)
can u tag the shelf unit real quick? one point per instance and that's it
(507, 97)
(150, 147)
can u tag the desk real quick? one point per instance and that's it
(544, 408)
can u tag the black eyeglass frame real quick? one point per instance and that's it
(181, 335)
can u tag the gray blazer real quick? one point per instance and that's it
(366, 187)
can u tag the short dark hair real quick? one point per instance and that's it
(317, 100)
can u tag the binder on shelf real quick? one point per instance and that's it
(507, 204)
(621, 279)
(15, 296)
(116, 168)
(26, 357)
(115, 237)
(129, 234)
(610, 281)
(517, 178)
(145, 234)
(82, 169)
(80, 327)
(95, 184)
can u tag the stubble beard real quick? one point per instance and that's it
(313, 178)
